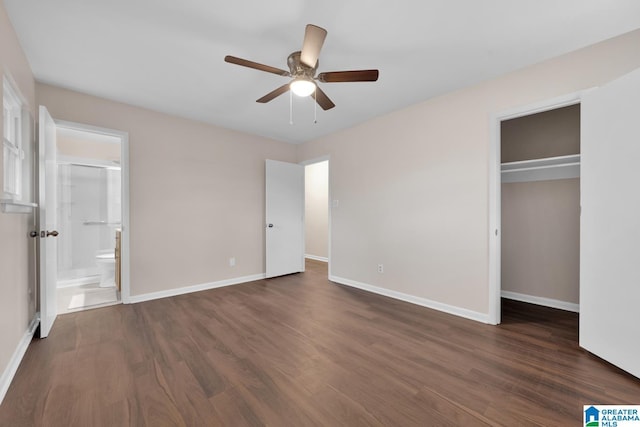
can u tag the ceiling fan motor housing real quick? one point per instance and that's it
(299, 69)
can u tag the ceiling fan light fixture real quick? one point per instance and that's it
(302, 87)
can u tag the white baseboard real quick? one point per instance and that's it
(195, 288)
(316, 258)
(16, 358)
(547, 302)
(435, 305)
(78, 282)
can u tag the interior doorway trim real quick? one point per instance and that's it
(329, 207)
(495, 201)
(125, 291)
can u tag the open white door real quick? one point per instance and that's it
(284, 218)
(610, 223)
(47, 220)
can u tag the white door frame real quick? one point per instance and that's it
(495, 198)
(125, 291)
(311, 162)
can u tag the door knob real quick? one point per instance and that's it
(53, 233)
(270, 225)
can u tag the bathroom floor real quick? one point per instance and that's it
(84, 297)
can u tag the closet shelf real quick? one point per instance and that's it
(17, 206)
(550, 168)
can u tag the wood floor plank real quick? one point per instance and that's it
(301, 351)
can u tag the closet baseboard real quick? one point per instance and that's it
(546, 302)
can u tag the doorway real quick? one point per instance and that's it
(91, 164)
(540, 208)
(297, 215)
(89, 211)
(317, 211)
(534, 183)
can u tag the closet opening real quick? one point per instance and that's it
(536, 241)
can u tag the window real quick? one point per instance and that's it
(12, 142)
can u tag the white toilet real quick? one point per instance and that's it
(107, 266)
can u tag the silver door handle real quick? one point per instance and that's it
(53, 233)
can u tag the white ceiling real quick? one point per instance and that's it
(167, 55)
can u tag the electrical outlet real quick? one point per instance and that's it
(380, 268)
(232, 262)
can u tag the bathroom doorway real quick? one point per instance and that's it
(89, 217)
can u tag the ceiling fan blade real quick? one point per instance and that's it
(250, 64)
(313, 40)
(349, 76)
(322, 99)
(274, 94)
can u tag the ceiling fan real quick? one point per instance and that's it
(302, 68)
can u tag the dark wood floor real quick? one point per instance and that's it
(300, 351)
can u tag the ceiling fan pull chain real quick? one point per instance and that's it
(315, 105)
(290, 107)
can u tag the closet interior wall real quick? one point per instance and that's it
(540, 207)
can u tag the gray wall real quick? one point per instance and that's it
(541, 239)
(17, 249)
